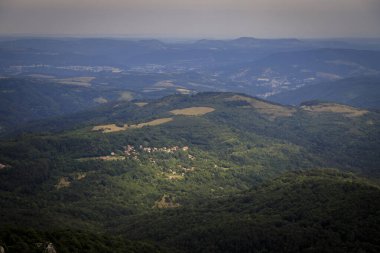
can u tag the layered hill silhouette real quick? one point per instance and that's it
(363, 91)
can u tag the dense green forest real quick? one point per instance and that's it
(214, 172)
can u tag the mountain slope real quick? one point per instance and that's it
(310, 211)
(155, 166)
(304, 211)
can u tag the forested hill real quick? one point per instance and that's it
(363, 91)
(211, 172)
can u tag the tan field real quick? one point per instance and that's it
(100, 100)
(113, 128)
(110, 158)
(84, 81)
(174, 177)
(103, 158)
(126, 96)
(141, 104)
(271, 110)
(152, 123)
(165, 83)
(183, 91)
(109, 128)
(336, 108)
(40, 76)
(193, 111)
(329, 76)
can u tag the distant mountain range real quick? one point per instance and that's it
(285, 71)
(259, 67)
(57, 76)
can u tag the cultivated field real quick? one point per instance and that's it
(84, 81)
(165, 83)
(336, 108)
(271, 110)
(114, 128)
(126, 96)
(193, 111)
(100, 100)
(183, 91)
(141, 104)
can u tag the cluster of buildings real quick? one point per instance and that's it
(130, 150)
(94, 69)
(163, 149)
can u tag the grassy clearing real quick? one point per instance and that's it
(114, 128)
(271, 110)
(170, 176)
(335, 108)
(152, 123)
(103, 158)
(193, 111)
(109, 128)
(274, 111)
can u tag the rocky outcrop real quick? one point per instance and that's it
(50, 248)
(167, 201)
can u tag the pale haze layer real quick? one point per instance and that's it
(192, 18)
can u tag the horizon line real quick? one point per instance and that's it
(155, 36)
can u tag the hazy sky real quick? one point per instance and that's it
(193, 18)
